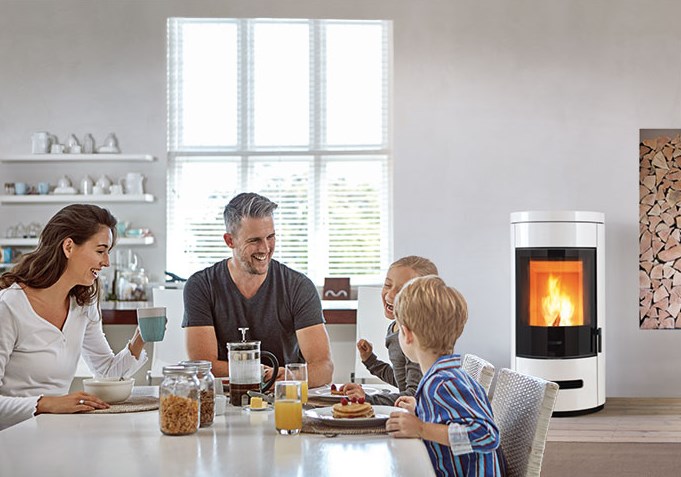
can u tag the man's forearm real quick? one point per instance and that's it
(319, 373)
(220, 369)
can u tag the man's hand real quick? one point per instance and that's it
(268, 373)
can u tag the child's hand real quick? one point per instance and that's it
(365, 349)
(407, 402)
(402, 424)
(353, 390)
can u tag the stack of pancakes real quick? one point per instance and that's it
(352, 410)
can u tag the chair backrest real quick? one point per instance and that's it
(522, 407)
(371, 325)
(479, 369)
(172, 349)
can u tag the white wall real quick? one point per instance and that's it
(499, 106)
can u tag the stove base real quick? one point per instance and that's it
(581, 380)
(578, 413)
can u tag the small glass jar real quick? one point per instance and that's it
(207, 381)
(179, 400)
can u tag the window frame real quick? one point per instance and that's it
(245, 150)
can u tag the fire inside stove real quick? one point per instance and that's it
(556, 293)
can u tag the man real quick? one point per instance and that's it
(279, 306)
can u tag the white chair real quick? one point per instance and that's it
(522, 407)
(479, 369)
(173, 348)
(371, 325)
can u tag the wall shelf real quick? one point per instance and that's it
(74, 198)
(76, 158)
(33, 242)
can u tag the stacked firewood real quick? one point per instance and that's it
(660, 233)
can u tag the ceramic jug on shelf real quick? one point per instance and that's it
(40, 142)
(73, 145)
(104, 182)
(88, 144)
(134, 183)
(64, 182)
(111, 141)
(86, 185)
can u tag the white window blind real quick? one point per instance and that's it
(296, 110)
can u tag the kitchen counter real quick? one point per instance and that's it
(336, 312)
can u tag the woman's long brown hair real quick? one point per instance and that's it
(43, 267)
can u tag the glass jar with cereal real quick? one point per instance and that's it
(207, 381)
(179, 400)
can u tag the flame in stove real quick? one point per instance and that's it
(557, 307)
(556, 293)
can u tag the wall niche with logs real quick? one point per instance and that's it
(660, 229)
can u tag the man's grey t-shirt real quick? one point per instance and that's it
(286, 301)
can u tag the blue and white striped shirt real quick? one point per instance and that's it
(448, 395)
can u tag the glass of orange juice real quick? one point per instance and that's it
(298, 372)
(288, 407)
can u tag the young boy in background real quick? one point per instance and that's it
(400, 372)
(450, 410)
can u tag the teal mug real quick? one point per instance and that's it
(152, 323)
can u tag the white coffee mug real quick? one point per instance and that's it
(116, 189)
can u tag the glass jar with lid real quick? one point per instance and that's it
(179, 400)
(207, 381)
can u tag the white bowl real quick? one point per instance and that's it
(110, 390)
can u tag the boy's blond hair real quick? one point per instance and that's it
(422, 266)
(434, 312)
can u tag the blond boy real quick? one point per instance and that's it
(450, 411)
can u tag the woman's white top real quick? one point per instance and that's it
(36, 358)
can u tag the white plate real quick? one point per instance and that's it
(325, 415)
(325, 392)
(260, 409)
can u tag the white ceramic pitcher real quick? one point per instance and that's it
(134, 183)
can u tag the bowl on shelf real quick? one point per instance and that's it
(110, 390)
(137, 233)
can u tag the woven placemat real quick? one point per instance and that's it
(132, 404)
(314, 427)
(315, 402)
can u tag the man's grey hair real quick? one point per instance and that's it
(246, 204)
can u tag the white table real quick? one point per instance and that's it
(238, 443)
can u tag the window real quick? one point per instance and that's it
(296, 110)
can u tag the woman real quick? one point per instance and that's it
(49, 314)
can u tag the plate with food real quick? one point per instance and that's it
(333, 392)
(352, 414)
